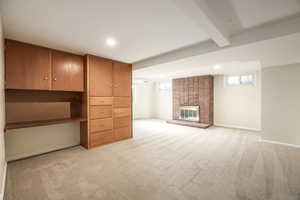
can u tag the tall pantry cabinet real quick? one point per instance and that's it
(108, 101)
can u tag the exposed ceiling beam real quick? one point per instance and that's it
(202, 15)
(264, 32)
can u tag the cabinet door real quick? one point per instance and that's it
(67, 72)
(122, 112)
(122, 79)
(123, 133)
(120, 122)
(101, 124)
(100, 112)
(100, 138)
(122, 102)
(100, 76)
(27, 66)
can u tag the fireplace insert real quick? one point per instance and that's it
(189, 113)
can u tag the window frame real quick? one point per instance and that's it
(164, 86)
(240, 82)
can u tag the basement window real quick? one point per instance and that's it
(164, 86)
(247, 79)
(240, 80)
(233, 80)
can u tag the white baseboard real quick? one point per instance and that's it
(280, 143)
(3, 181)
(238, 127)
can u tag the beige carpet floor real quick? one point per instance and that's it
(164, 162)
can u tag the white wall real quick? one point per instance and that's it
(163, 102)
(237, 106)
(281, 104)
(2, 116)
(26, 142)
(150, 102)
(143, 100)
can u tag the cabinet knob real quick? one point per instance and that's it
(55, 79)
(45, 78)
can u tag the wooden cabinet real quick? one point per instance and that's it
(120, 122)
(98, 101)
(109, 101)
(122, 79)
(99, 112)
(122, 112)
(67, 72)
(100, 76)
(122, 102)
(100, 138)
(123, 133)
(30, 67)
(97, 125)
(105, 84)
(27, 66)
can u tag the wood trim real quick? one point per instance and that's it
(27, 124)
(14, 95)
(85, 127)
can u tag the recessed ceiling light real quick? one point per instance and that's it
(217, 67)
(111, 42)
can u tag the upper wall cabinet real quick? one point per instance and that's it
(27, 66)
(100, 76)
(67, 72)
(30, 67)
(122, 79)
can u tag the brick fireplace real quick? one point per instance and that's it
(194, 91)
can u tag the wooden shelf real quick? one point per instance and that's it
(28, 124)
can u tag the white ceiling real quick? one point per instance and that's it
(142, 28)
(190, 68)
(257, 12)
(235, 60)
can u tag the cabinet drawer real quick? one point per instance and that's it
(122, 112)
(100, 138)
(122, 122)
(123, 133)
(101, 124)
(99, 112)
(121, 102)
(99, 101)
